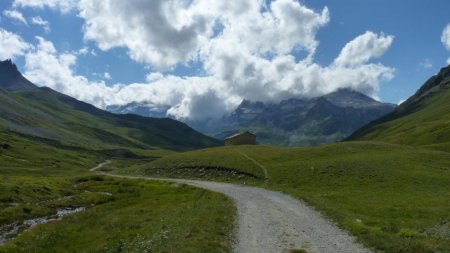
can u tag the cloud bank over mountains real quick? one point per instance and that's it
(246, 49)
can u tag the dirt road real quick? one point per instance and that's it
(269, 221)
(273, 222)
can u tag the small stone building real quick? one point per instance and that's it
(245, 138)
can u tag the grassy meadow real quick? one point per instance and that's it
(393, 198)
(122, 215)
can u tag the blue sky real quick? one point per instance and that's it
(417, 26)
(153, 59)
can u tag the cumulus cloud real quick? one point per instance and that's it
(161, 33)
(363, 48)
(164, 33)
(44, 66)
(247, 49)
(62, 5)
(14, 44)
(445, 38)
(15, 15)
(40, 22)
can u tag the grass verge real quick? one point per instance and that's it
(121, 216)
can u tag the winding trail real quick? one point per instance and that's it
(270, 221)
(264, 170)
(100, 165)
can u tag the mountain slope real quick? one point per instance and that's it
(41, 112)
(424, 119)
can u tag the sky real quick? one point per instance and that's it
(202, 57)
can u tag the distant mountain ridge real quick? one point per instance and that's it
(306, 121)
(44, 114)
(291, 122)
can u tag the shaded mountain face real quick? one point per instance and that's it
(423, 119)
(304, 122)
(292, 122)
(44, 114)
(11, 79)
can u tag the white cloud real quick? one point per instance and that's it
(44, 66)
(164, 33)
(246, 49)
(83, 51)
(40, 22)
(161, 33)
(363, 48)
(16, 15)
(107, 76)
(426, 64)
(445, 38)
(62, 5)
(14, 44)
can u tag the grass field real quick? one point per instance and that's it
(393, 198)
(121, 216)
(37, 180)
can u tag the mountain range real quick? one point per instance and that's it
(291, 122)
(44, 115)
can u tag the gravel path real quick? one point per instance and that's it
(273, 222)
(270, 221)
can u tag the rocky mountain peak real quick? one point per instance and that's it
(11, 79)
(351, 98)
(434, 84)
(8, 64)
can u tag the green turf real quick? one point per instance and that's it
(389, 196)
(121, 216)
(37, 178)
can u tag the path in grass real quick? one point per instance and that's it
(273, 222)
(255, 162)
(100, 165)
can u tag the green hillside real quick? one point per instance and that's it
(423, 120)
(48, 114)
(48, 143)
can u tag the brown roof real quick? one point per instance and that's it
(246, 132)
